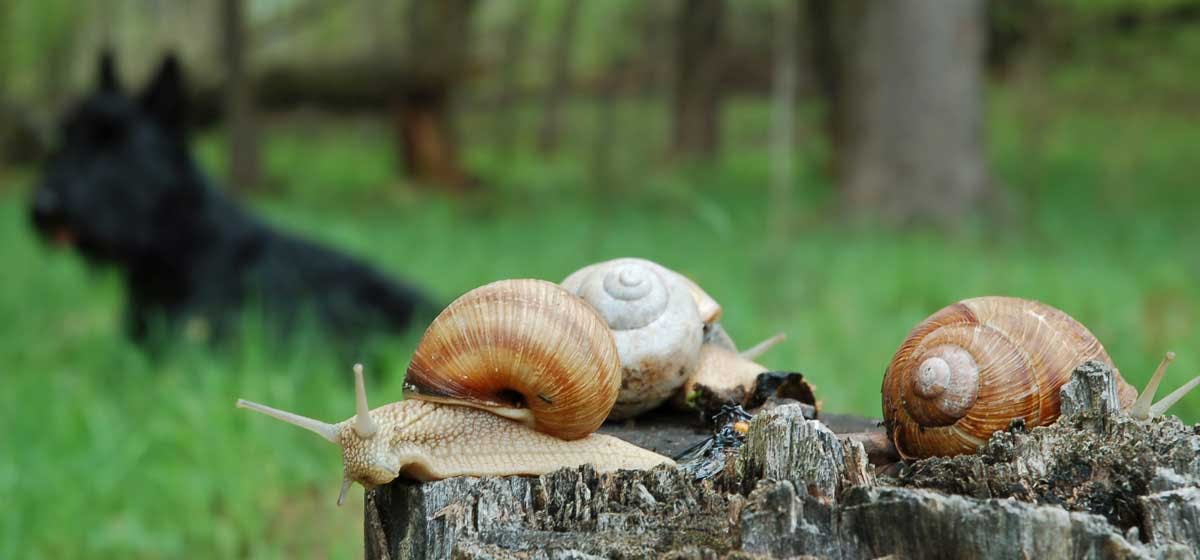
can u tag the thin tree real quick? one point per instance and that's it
(911, 96)
(434, 65)
(515, 41)
(7, 114)
(239, 99)
(825, 58)
(699, 68)
(785, 50)
(560, 78)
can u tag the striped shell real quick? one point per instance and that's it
(523, 349)
(970, 369)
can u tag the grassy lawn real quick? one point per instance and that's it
(108, 452)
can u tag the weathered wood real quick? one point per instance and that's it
(783, 445)
(1095, 485)
(1172, 516)
(1092, 390)
(1094, 459)
(571, 511)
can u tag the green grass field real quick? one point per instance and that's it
(107, 452)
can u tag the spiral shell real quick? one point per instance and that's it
(657, 323)
(971, 368)
(523, 349)
(710, 311)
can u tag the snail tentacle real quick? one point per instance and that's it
(327, 431)
(761, 348)
(1142, 409)
(1160, 408)
(347, 482)
(364, 426)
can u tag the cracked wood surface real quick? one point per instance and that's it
(1095, 485)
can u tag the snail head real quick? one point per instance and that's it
(365, 456)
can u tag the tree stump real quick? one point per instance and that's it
(1097, 484)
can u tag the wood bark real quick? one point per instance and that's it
(908, 109)
(239, 99)
(800, 490)
(699, 68)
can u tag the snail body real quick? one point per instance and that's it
(973, 367)
(510, 379)
(728, 374)
(657, 318)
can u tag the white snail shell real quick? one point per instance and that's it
(657, 317)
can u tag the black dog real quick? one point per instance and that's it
(122, 188)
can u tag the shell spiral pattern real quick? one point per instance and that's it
(629, 296)
(971, 368)
(524, 349)
(656, 319)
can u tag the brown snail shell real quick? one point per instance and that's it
(971, 368)
(524, 349)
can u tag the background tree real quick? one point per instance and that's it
(560, 77)
(239, 99)
(699, 68)
(783, 115)
(435, 62)
(516, 39)
(562, 50)
(908, 101)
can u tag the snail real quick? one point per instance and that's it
(726, 373)
(667, 335)
(511, 378)
(657, 317)
(971, 368)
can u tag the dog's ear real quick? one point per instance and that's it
(163, 97)
(106, 73)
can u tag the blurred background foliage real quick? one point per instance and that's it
(709, 135)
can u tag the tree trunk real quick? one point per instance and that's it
(507, 110)
(795, 488)
(912, 98)
(560, 78)
(783, 119)
(699, 66)
(826, 56)
(427, 145)
(434, 65)
(239, 98)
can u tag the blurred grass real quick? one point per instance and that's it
(108, 452)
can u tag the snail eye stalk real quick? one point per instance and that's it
(327, 431)
(1143, 409)
(364, 426)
